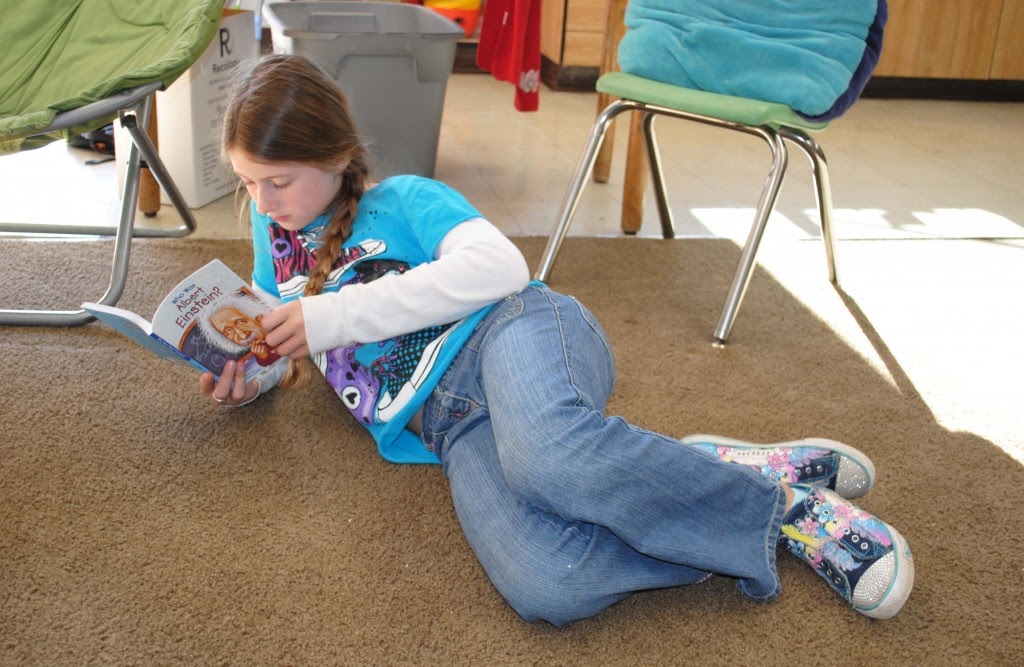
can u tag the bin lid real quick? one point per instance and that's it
(326, 20)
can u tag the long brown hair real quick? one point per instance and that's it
(286, 108)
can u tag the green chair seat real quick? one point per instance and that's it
(714, 105)
(59, 56)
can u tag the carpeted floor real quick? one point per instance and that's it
(139, 524)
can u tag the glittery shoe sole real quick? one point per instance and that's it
(898, 588)
(865, 560)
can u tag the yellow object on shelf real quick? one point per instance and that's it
(452, 4)
(466, 13)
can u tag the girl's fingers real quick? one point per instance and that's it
(238, 384)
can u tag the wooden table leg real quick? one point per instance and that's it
(149, 189)
(635, 183)
(614, 29)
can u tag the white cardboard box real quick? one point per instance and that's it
(190, 111)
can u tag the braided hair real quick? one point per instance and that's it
(286, 108)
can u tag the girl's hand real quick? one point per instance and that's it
(285, 330)
(231, 389)
(264, 353)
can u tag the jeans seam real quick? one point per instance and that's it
(562, 338)
(771, 542)
(594, 326)
(596, 329)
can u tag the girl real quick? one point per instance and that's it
(419, 314)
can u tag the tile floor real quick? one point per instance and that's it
(907, 169)
(929, 199)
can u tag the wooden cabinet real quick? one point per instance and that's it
(954, 39)
(969, 40)
(1008, 55)
(572, 39)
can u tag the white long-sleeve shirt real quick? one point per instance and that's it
(474, 266)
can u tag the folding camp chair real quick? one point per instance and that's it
(67, 68)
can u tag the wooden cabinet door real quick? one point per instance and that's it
(946, 39)
(1008, 58)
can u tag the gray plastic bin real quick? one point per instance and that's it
(392, 61)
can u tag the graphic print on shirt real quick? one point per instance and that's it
(377, 390)
(376, 380)
(294, 257)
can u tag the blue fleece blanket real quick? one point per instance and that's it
(814, 56)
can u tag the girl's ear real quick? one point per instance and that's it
(342, 166)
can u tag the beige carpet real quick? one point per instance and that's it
(139, 524)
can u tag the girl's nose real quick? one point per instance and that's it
(264, 200)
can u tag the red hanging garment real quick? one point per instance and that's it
(509, 47)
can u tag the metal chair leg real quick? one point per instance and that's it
(149, 152)
(119, 268)
(822, 192)
(668, 227)
(133, 107)
(135, 115)
(577, 183)
(765, 206)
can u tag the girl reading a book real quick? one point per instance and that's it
(421, 316)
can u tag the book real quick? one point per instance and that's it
(209, 318)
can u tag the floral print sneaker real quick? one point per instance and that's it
(861, 557)
(846, 470)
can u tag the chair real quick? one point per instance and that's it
(67, 68)
(774, 122)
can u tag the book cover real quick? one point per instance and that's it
(209, 318)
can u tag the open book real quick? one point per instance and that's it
(208, 318)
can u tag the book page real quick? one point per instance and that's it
(135, 327)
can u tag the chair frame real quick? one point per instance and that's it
(133, 107)
(772, 135)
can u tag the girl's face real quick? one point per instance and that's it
(292, 194)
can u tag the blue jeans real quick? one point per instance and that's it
(568, 510)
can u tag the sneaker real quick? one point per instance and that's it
(842, 468)
(861, 557)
